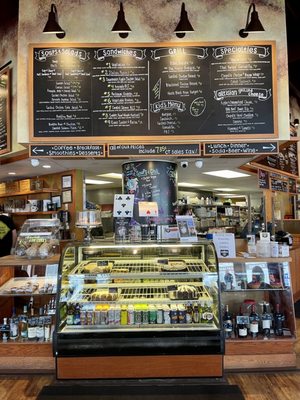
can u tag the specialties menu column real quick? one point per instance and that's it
(241, 82)
(62, 92)
(120, 91)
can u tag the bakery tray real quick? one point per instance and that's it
(28, 286)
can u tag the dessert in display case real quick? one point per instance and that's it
(88, 220)
(150, 309)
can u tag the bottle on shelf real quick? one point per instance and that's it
(266, 321)
(32, 324)
(77, 314)
(227, 323)
(254, 322)
(47, 328)
(40, 329)
(23, 324)
(5, 330)
(242, 331)
(13, 325)
(278, 321)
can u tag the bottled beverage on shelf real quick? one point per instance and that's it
(242, 330)
(70, 314)
(14, 325)
(189, 313)
(5, 330)
(47, 327)
(32, 323)
(40, 330)
(266, 321)
(76, 314)
(227, 323)
(207, 313)
(196, 313)
(23, 324)
(278, 321)
(254, 322)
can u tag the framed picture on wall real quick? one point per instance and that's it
(56, 200)
(67, 196)
(66, 182)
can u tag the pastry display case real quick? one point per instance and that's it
(38, 238)
(137, 300)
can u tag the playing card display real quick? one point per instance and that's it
(123, 205)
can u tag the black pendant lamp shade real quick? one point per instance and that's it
(184, 24)
(121, 27)
(252, 26)
(52, 25)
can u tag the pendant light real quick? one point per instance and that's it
(184, 24)
(52, 25)
(252, 26)
(121, 27)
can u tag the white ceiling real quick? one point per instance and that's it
(93, 167)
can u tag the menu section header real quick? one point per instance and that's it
(195, 91)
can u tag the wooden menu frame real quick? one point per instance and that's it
(5, 118)
(42, 50)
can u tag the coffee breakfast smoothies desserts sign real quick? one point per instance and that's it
(142, 92)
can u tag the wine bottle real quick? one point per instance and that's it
(70, 314)
(227, 323)
(254, 322)
(23, 324)
(278, 321)
(266, 321)
(32, 323)
(13, 325)
(40, 330)
(242, 330)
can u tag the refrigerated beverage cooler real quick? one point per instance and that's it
(138, 311)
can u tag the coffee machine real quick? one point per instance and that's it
(64, 217)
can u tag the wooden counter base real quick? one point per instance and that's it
(140, 367)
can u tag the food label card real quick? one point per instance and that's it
(123, 205)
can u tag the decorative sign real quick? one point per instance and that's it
(279, 183)
(285, 162)
(134, 91)
(146, 150)
(123, 205)
(263, 179)
(67, 150)
(186, 228)
(240, 148)
(292, 186)
(5, 133)
(148, 209)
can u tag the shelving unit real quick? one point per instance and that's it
(218, 216)
(272, 352)
(16, 355)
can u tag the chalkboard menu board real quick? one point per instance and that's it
(135, 91)
(5, 133)
(279, 183)
(263, 179)
(286, 161)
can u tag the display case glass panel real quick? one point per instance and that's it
(150, 292)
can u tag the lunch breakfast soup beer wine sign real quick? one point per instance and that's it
(145, 91)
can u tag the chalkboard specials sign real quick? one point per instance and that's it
(137, 91)
(5, 133)
(285, 162)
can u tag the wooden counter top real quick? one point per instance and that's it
(16, 261)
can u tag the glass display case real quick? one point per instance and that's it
(138, 299)
(38, 238)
